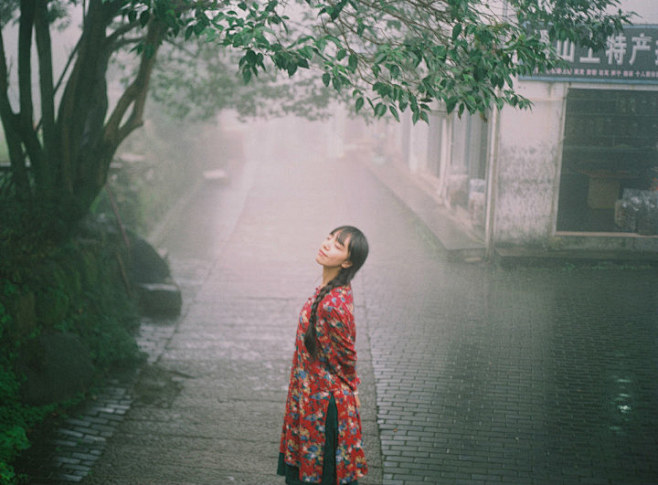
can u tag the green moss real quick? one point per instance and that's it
(76, 288)
(90, 270)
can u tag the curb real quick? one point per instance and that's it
(458, 243)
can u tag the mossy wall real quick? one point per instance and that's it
(77, 289)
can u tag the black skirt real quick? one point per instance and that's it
(329, 466)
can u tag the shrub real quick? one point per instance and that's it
(78, 288)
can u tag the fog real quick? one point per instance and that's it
(471, 372)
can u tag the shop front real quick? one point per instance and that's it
(586, 158)
(609, 179)
(577, 171)
(609, 166)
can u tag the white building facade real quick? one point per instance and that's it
(577, 171)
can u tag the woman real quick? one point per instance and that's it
(321, 439)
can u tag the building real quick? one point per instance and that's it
(577, 172)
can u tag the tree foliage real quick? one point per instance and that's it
(193, 81)
(463, 53)
(62, 130)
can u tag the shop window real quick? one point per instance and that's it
(609, 180)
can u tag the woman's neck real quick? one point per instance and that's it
(329, 274)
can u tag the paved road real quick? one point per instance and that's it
(471, 374)
(244, 254)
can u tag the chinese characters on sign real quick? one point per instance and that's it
(631, 56)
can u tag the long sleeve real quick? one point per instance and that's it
(337, 337)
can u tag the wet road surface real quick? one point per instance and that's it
(472, 374)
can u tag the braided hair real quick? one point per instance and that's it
(357, 250)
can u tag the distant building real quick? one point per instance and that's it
(578, 171)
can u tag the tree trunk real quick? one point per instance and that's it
(61, 163)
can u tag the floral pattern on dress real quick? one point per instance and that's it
(314, 382)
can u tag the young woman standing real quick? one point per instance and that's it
(321, 439)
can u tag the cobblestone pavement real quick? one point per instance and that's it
(472, 374)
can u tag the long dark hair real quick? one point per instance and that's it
(357, 250)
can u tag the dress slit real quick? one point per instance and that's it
(329, 464)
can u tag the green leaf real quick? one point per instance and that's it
(456, 30)
(394, 112)
(394, 70)
(380, 110)
(451, 103)
(352, 62)
(380, 57)
(306, 51)
(335, 11)
(381, 88)
(326, 79)
(358, 104)
(144, 18)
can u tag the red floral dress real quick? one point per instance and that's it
(314, 382)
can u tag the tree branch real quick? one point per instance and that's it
(118, 44)
(25, 60)
(27, 132)
(44, 52)
(83, 105)
(135, 94)
(9, 124)
(66, 67)
(122, 30)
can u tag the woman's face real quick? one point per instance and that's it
(333, 253)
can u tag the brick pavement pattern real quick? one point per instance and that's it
(472, 374)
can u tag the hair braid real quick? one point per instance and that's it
(357, 246)
(311, 337)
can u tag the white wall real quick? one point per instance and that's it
(528, 163)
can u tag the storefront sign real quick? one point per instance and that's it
(629, 57)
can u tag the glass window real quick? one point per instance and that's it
(469, 146)
(609, 162)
